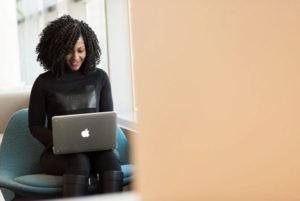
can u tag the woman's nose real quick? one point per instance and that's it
(75, 56)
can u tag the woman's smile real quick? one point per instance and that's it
(76, 56)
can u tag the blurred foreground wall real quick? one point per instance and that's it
(218, 94)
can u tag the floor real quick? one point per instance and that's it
(125, 196)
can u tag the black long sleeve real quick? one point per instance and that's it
(106, 102)
(72, 94)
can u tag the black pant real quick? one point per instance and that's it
(80, 163)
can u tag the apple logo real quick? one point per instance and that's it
(85, 133)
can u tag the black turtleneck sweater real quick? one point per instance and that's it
(74, 93)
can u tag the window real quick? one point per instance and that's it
(120, 66)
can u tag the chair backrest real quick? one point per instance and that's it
(123, 147)
(19, 150)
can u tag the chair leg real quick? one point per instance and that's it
(75, 185)
(111, 181)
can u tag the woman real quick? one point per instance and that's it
(68, 50)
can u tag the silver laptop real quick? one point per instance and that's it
(84, 132)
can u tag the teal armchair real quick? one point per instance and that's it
(20, 171)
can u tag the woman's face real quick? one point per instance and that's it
(76, 56)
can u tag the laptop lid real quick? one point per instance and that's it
(84, 132)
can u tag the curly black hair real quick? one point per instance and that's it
(59, 37)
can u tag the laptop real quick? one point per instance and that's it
(84, 132)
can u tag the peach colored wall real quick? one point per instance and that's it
(218, 95)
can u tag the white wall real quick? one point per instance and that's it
(9, 67)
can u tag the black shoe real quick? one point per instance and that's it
(111, 181)
(74, 185)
